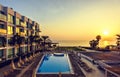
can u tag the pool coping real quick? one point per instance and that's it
(70, 65)
(39, 64)
(69, 62)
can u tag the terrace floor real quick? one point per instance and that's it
(110, 58)
(115, 69)
(103, 55)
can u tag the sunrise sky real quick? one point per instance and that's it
(72, 19)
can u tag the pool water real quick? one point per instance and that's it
(52, 64)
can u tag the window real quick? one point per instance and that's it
(1, 12)
(1, 53)
(10, 30)
(17, 30)
(29, 26)
(26, 40)
(26, 48)
(1, 42)
(9, 41)
(2, 15)
(23, 23)
(25, 33)
(17, 51)
(10, 52)
(21, 30)
(23, 49)
(2, 26)
(33, 48)
(10, 18)
(17, 21)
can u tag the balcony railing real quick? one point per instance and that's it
(2, 17)
(23, 24)
(38, 30)
(22, 34)
(3, 31)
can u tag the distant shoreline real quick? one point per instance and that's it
(84, 43)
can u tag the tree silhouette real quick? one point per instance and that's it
(94, 43)
(3, 40)
(118, 41)
(18, 40)
(31, 41)
(49, 42)
(44, 40)
(37, 40)
(98, 38)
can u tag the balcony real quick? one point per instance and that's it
(22, 34)
(3, 31)
(2, 17)
(23, 24)
(38, 30)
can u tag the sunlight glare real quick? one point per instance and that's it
(106, 32)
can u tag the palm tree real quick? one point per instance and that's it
(98, 38)
(118, 41)
(44, 40)
(36, 38)
(49, 44)
(95, 43)
(31, 40)
(38, 41)
(17, 40)
(14, 40)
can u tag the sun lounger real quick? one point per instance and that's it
(11, 73)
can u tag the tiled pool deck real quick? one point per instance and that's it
(29, 70)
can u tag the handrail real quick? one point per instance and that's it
(3, 31)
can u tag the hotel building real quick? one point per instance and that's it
(12, 22)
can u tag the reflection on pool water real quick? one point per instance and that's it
(52, 64)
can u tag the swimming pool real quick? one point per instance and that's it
(52, 64)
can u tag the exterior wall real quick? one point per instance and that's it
(9, 27)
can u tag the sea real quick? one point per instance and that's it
(84, 43)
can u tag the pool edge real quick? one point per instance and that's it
(69, 62)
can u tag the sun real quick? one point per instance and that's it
(106, 32)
